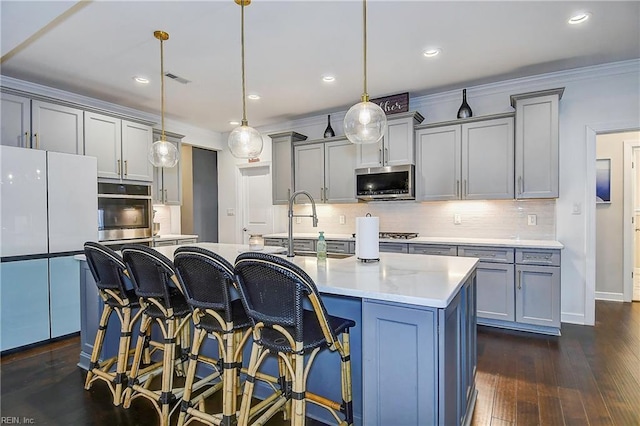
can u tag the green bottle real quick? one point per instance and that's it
(321, 247)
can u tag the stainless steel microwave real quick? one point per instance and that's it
(385, 183)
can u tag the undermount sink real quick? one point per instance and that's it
(329, 255)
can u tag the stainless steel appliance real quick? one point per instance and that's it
(125, 214)
(385, 183)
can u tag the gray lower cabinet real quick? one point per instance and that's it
(495, 291)
(433, 372)
(388, 247)
(538, 295)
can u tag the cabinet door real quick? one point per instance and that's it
(15, 118)
(103, 140)
(438, 163)
(495, 287)
(339, 175)
(369, 155)
(309, 170)
(388, 372)
(487, 160)
(398, 142)
(24, 302)
(538, 295)
(64, 290)
(136, 140)
(57, 128)
(282, 169)
(536, 147)
(172, 185)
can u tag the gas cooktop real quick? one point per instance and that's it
(396, 235)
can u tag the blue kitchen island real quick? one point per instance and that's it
(413, 349)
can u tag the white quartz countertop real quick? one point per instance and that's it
(404, 278)
(165, 237)
(489, 242)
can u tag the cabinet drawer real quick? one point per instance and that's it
(337, 246)
(188, 241)
(164, 243)
(304, 245)
(277, 242)
(394, 247)
(438, 250)
(488, 254)
(538, 257)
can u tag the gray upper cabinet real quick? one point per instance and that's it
(282, 165)
(536, 143)
(468, 161)
(167, 181)
(15, 118)
(396, 146)
(41, 125)
(326, 170)
(120, 146)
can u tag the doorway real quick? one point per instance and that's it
(254, 200)
(205, 194)
(632, 219)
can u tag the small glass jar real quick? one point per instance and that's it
(256, 242)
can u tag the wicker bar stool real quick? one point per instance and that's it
(109, 273)
(208, 283)
(162, 303)
(274, 292)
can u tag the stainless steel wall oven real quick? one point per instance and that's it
(125, 213)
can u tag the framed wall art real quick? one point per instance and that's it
(603, 181)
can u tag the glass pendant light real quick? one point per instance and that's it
(244, 141)
(365, 122)
(162, 153)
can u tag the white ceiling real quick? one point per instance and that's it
(95, 48)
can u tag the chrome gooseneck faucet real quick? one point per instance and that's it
(291, 216)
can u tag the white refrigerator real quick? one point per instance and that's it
(48, 205)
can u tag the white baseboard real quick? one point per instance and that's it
(572, 318)
(612, 297)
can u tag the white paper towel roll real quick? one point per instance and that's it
(367, 238)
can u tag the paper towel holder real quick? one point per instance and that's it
(367, 260)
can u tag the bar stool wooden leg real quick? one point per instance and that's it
(97, 345)
(345, 365)
(145, 326)
(298, 391)
(198, 338)
(245, 406)
(166, 397)
(123, 354)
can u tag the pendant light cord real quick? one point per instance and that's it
(244, 96)
(365, 96)
(162, 83)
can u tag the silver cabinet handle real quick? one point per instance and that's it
(166, 197)
(160, 195)
(326, 191)
(321, 194)
(126, 169)
(27, 142)
(465, 190)
(380, 156)
(386, 155)
(119, 171)
(519, 280)
(37, 141)
(458, 188)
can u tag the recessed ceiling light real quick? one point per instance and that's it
(430, 53)
(253, 97)
(234, 123)
(579, 18)
(328, 78)
(141, 80)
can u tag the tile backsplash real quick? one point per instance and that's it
(479, 219)
(168, 217)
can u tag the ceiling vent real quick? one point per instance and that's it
(177, 78)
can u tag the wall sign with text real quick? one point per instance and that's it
(393, 104)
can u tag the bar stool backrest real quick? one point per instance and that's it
(107, 267)
(273, 291)
(206, 277)
(150, 272)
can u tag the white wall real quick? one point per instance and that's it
(598, 97)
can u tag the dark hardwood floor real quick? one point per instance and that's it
(589, 376)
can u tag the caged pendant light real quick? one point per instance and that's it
(365, 122)
(162, 153)
(244, 141)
